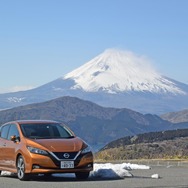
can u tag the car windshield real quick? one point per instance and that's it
(45, 131)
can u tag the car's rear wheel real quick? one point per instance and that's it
(82, 175)
(21, 169)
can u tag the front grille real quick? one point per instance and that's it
(65, 155)
(76, 156)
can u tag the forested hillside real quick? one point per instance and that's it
(171, 144)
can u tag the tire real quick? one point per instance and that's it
(82, 175)
(21, 169)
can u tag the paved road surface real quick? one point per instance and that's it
(171, 177)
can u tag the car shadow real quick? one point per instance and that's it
(61, 178)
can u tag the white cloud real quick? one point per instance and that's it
(15, 89)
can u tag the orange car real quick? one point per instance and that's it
(43, 147)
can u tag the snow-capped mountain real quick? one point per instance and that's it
(120, 71)
(115, 78)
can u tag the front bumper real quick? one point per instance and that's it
(50, 164)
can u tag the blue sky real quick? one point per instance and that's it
(42, 40)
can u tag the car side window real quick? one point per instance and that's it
(13, 131)
(4, 131)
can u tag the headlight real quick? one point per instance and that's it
(37, 151)
(87, 149)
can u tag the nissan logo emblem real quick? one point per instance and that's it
(66, 155)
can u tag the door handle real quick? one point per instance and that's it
(4, 145)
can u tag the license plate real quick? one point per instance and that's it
(67, 164)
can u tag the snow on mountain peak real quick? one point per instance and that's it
(116, 71)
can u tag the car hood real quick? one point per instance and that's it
(57, 145)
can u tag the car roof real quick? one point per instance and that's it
(32, 121)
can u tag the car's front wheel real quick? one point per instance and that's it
(21, 169)
(82, 175)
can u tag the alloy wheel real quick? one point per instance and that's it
(21, 168)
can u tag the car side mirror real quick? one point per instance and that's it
(14, 138)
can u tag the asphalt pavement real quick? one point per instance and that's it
(169, 177)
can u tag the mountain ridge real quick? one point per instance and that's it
(176, 117)
(171, 95)
(95, 124)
